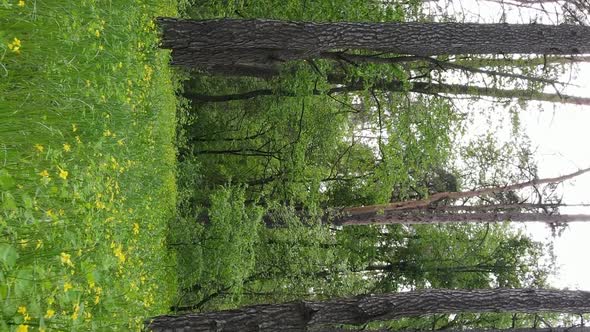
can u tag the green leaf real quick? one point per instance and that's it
(27, 201)
(6, 180)
(8, 254)
(23, 282)
(8, 202)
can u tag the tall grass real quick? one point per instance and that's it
(87, 164)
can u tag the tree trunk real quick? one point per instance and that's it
(302, 316)
(425, 203)
(397, 86)
(266, 42)
(425, 216)
(529, 329)
(534, 62)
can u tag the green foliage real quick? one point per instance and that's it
(87, 178)
(300, 148)
(295, 260)
(219, 255)
(304, 10)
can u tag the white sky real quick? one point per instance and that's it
(563, 139)
(561, 134)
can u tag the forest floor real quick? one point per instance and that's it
(87, 164)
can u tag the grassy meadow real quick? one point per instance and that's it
(87, 164)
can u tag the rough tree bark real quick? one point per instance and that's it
(263, 42)
(302, 316)
(529, 329)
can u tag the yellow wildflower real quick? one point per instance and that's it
(100, 47)
(39, 147)
(67, 147)
(22, 310)
(78, 140)
(63, 173)
(66, 259)
(67, 286)
(135, 228)
(96, 299)
(27, 317)
(15, 45)
(76, 311)
(119, 254)
(97, 33)
(50, 313)
(44, 173)
(107, 133)
(22, 328)
(21, 3)
(39, 244)
(120, 142)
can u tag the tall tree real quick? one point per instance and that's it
(300, 316)
(231, 42)
(423, 216)
(393, 85)
(523, 329)
(433, 199)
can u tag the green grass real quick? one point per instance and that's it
(87, 164)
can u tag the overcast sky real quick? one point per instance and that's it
(561, 136)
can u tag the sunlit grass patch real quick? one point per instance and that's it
(87, 122)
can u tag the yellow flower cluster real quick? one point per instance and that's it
(97, 292)
(15, 45)
(67, 286)
(118, 251)
(66, 259)
(76, 311)
(23, 311)
(63, 173)
(45, 175)
(50, 313)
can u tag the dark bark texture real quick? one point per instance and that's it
(530, 329)
(310, 316)
(231, 42)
